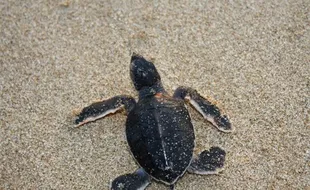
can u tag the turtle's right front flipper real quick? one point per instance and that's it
(205, 107)
(102, 108)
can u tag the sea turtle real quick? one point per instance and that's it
(159, 130)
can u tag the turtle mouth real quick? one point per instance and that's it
(135, 56)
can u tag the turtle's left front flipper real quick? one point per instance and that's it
(138, 180)
(205, 107)
(102, 108)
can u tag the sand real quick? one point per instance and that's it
(252, 57)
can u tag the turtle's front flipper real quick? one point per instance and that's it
(102, 108)
(208, 162)
(138, 180)
(209, 111)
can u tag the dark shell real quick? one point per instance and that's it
(161, 137)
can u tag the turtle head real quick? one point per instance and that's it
(142, 72)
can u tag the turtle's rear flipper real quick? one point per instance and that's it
(103, 108)
(136, 181)
(205, 107)
(208, 162)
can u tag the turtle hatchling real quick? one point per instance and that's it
(159, 131)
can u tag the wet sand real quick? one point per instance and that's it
(56, 56)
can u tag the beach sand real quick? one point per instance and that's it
(252, 57)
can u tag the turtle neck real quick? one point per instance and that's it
(151, 90)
